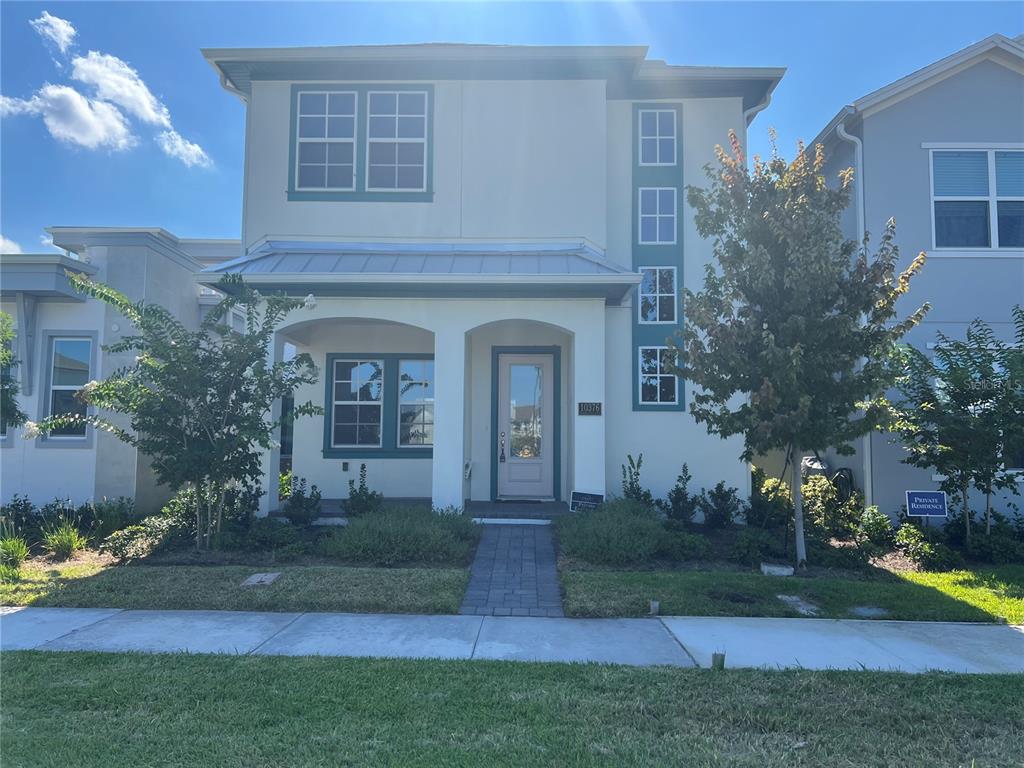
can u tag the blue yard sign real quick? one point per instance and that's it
(926, 504)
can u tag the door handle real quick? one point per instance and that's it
(501, 452)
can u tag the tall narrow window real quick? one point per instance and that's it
(69, 372)
(325, 154)
(657, 215)
(358, 389)
(415, 402)
(658, 295)
(397, 140)
(657, 136)
(978, 198)
(658, 385)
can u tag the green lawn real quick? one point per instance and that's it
(107, 710)
(992, 594)
(299, 588)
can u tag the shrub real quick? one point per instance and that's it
(302, 507)
(828, 517)
(9, 573)
(361, 500)
(849, 557)
(997, 548)
(771, 503)
(21, 515)
(875, 527)
(402, 535)
(753, 546)
(618, 532)
(13, 551)
(284, 485)
(632, 489)
(137, 541)
(100, 519)
(931, 557)
(721, 505)
(681, 505)
(266, 534)
(680, 545)
(62, 539)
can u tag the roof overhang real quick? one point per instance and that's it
(43, 275)
(430, 270)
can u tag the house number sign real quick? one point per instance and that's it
(589, 409)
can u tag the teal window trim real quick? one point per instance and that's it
(389, 448)
(556, 354)
(657, 255)
(360, 193)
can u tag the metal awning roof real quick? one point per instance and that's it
(565, 268)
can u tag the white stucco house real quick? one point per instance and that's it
(496, 238)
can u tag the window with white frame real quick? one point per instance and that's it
(69, 372)
(657, 136)
(326, 140)
(978, 198)
(358, 393)
(415, 402)
(396, 141)
(657, 215)
(657, 295)
(658, 385)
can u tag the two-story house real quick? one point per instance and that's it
(942, 152)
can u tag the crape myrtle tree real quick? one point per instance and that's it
(960, 412)
(795, 327)
(198, 401)
(11, 414)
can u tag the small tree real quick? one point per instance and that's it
(11, 413)
(794, 328)
(198, 401)
(960, 412)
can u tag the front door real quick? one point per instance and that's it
(525, 426)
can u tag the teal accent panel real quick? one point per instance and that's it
(556, 353)
(657, 335)
(389, 448)
(360, 193)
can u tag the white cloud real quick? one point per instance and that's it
(47, 242)
(8, 246)
(174, 145)
(60, 32)
(72, 118)
(119, 84)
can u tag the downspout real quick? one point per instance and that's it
(858, 178)
(750, 114)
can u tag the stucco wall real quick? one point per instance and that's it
(510, 160)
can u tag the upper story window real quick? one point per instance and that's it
(658, 385)
(657, 295)
(397, 141)
(657, 213)
(326, 153)
(657, 136)
(69, 372)
(978, 198)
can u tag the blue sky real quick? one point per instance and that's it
(128, 126)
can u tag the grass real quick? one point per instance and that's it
(991, 594)
(125, 710)
(95, 584)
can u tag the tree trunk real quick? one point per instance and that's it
(967, 513)
(798, 509)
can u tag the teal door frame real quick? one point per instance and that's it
(556, 355)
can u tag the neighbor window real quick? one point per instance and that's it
(326, 149)
(415, 402)
(658, 385)
(69, 372)
(657, 136)
(358, 395)
(396, 140)
(658, 295)
(978, 198)
(657, 215)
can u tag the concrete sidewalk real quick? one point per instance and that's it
(676, 641)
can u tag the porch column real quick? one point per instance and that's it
(588, 375)
(271, 460)
(449, 416)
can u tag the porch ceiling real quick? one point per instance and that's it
(500, 270)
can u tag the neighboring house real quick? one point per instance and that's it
(58, 339)
(942, 152)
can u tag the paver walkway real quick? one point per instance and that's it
(678, 641)
(514, 573)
